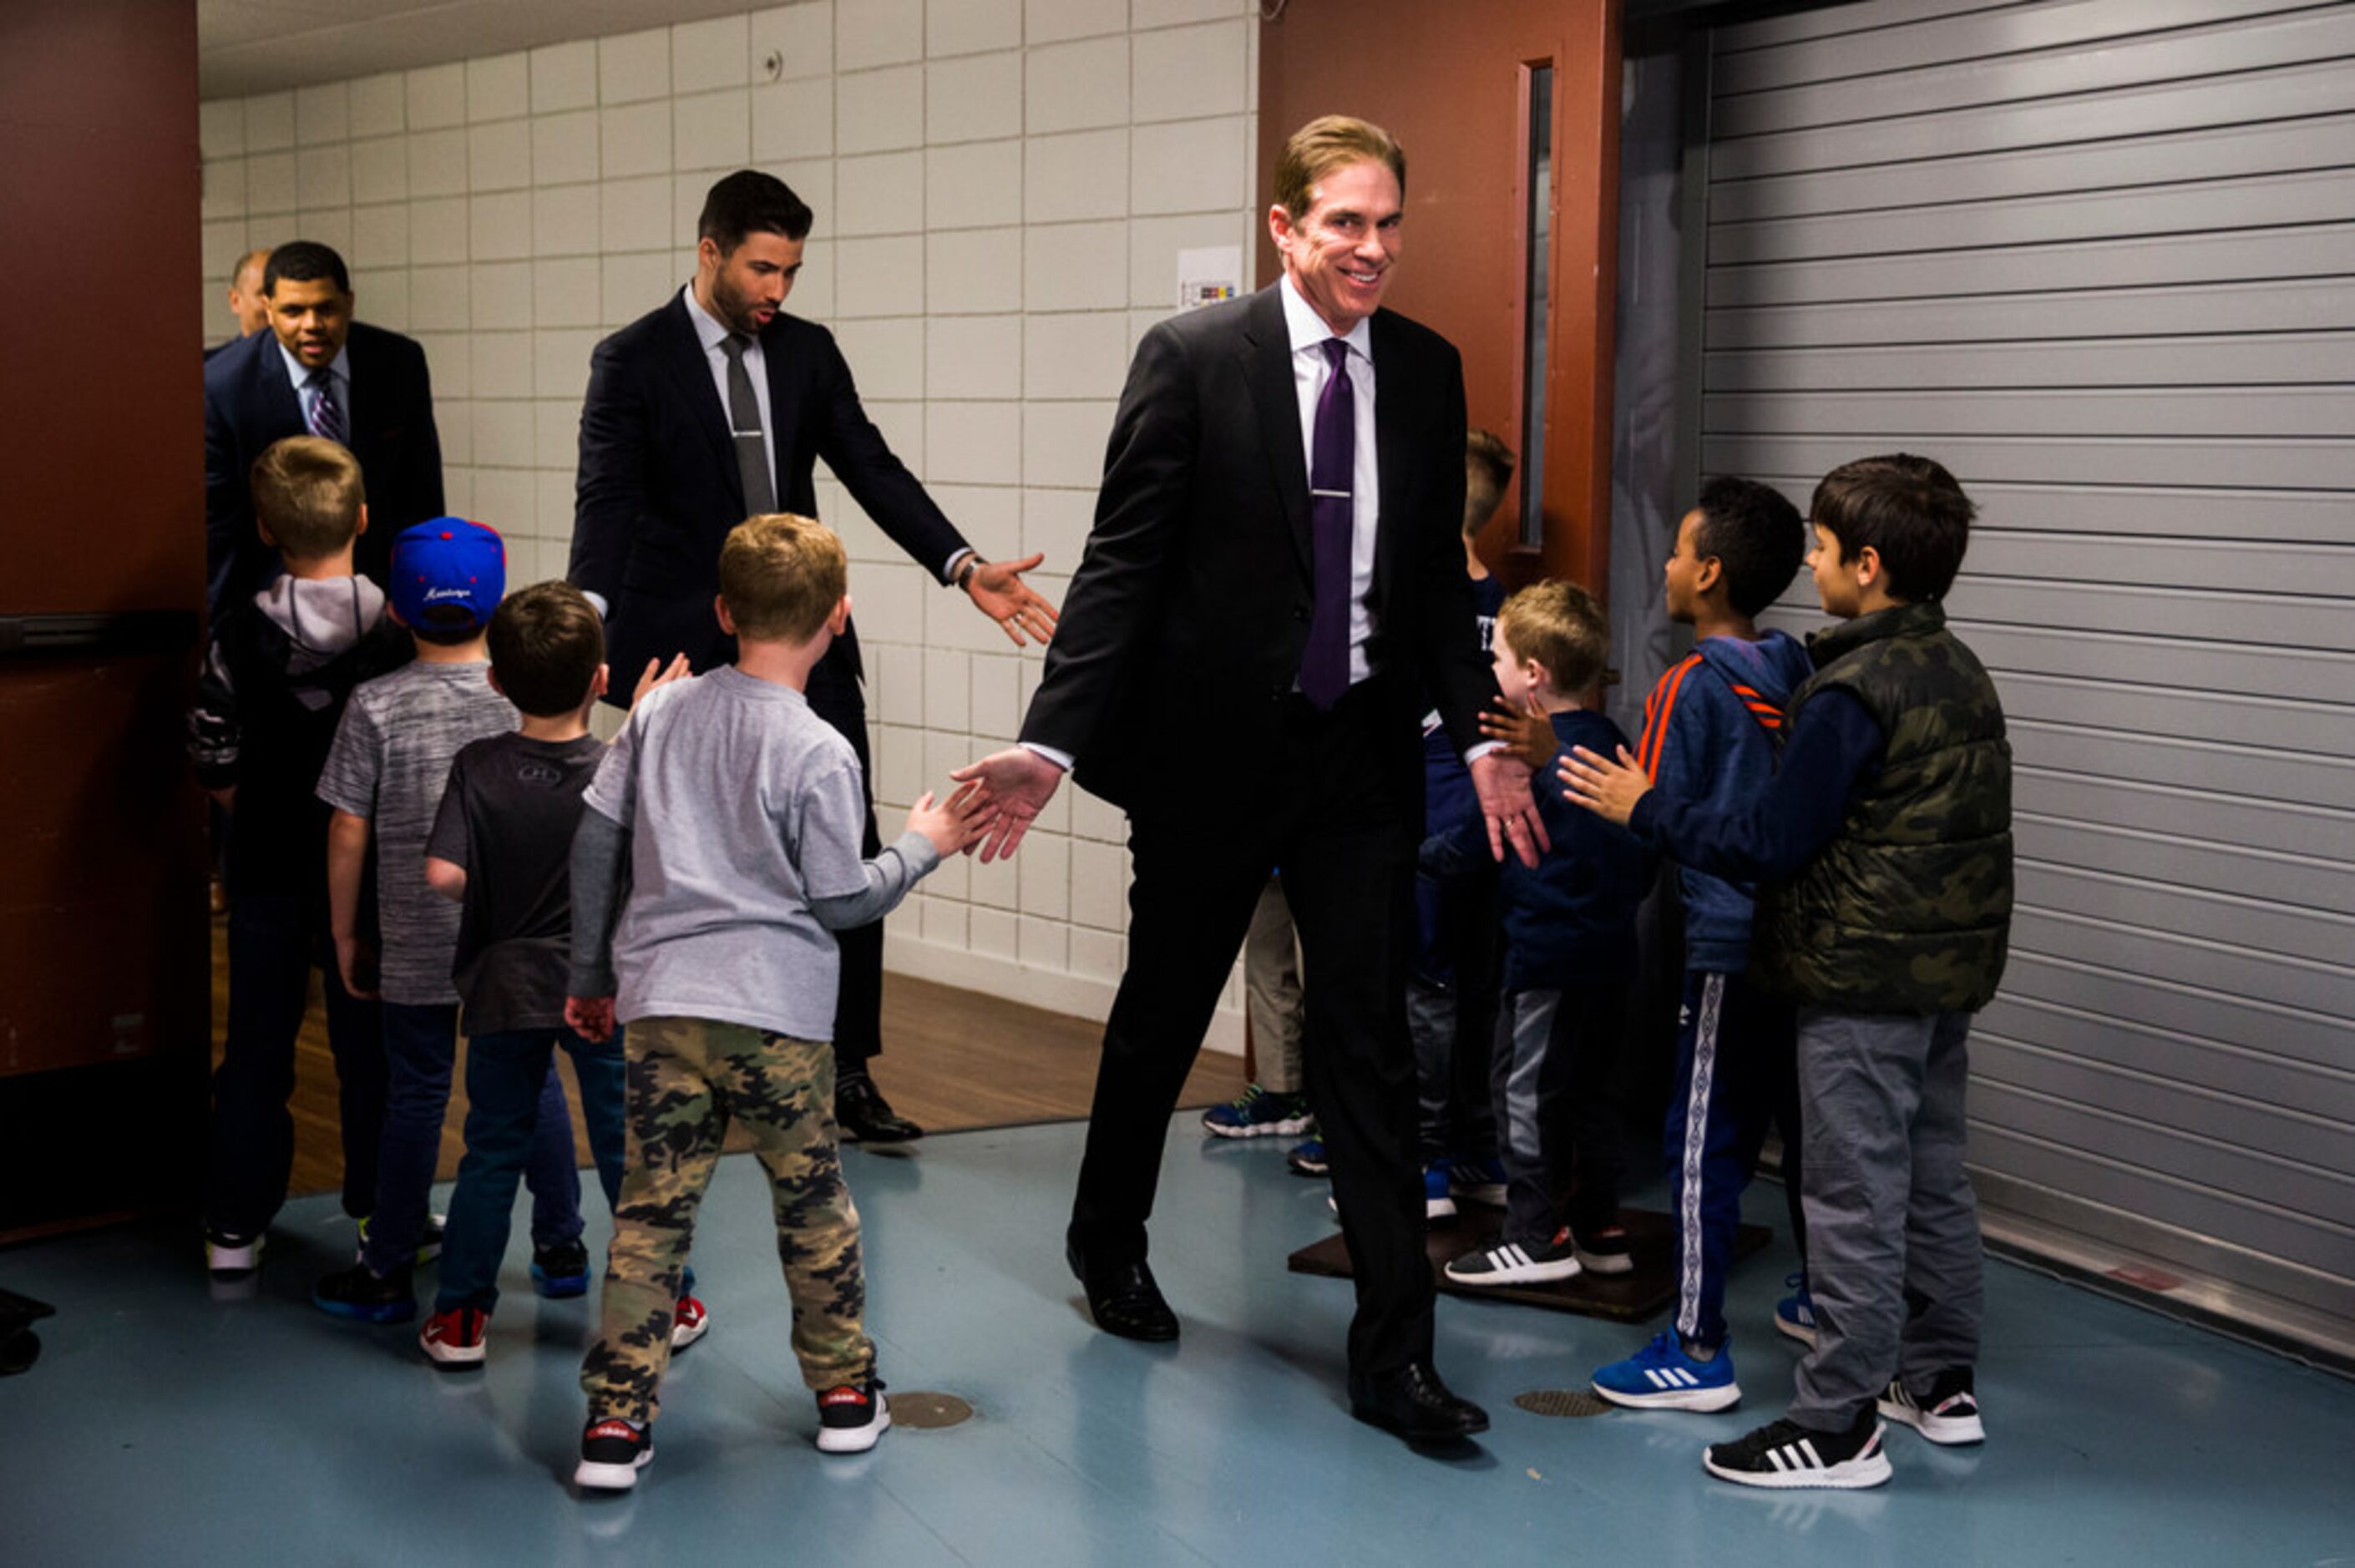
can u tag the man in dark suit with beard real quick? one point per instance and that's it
(714, 408)
(315, 372)
(1274, 581)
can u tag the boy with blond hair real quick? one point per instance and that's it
(1570, 952)
(725, 968)
(280, 666)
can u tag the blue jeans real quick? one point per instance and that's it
(420, 1044)
(505, 1075)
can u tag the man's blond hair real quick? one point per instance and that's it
(1560, 626)
(308, 492)
(782, 576)
(1332, 142)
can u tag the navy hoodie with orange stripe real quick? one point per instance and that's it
(1711, 729)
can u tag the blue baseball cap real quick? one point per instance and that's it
(448, 564)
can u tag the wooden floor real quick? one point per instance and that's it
(952, 1060)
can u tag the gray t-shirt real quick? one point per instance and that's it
(742, 807)
(389, 763)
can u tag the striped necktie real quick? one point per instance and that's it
(326, 416)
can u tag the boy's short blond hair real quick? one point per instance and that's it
(782, 576)
(308, 492)
(1560, 626)
(1488, 465)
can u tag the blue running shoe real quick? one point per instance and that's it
(1259, 1113)
(1307, 1159)
(1477, 1181)
(1438, 1203)
(1660, 1376)
(356, 1293)
(1794, 1315)
(561, 1270)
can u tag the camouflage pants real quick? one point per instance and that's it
(688, 1078)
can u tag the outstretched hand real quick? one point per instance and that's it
(1609, 789)
(997, 588)
(1502, 782)
(1016, 785)
(1527, 733)
(953, 824)
(658, 674)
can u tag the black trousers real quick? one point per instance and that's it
(1332, 809)
(835, 696)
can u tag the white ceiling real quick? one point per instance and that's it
(265, 45)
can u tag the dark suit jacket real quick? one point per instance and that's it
(659, 489)
(1185, 621)
(249, 402)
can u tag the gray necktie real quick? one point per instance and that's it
(744, 419)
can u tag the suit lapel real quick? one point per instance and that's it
(280, 407)
(1392, 424)
(689, 367)
(785, 407)
(1267, 371)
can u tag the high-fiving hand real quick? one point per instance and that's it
(1016, 785)
(997, 590)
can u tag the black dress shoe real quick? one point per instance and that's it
(1123, 1298)
(1412, 1403)
(862, 1113)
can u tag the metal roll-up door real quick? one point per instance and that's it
(2098, 258)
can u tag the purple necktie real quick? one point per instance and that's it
(1332, 529)
(326, 417)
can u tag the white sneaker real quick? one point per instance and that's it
(231, 1256)
(852, 1418)
(1948, 1414)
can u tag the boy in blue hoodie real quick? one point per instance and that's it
(1569, 951)
(1709, 729)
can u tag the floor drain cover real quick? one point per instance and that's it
(926, 1411)
(1537, 1402)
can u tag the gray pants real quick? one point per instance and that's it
(1892, 1228)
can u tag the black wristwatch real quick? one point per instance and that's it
(965, 573)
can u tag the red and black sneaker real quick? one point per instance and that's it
(454, 1339)
(853, 1418)
(1603, 1249)
(612, 1452)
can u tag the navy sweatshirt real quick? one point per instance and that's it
(1571, 921)
(1710, 728)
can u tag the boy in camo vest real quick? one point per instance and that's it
(1882, 849)
(738, 813)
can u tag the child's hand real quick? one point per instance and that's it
(656, 674)
(356, 965)
(951, 823)
(589, 1017)
(1527, 733)
(1609, 789)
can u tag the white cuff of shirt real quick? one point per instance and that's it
(1481, 750)
(949, 572)
(599, 600)
(1061, 759)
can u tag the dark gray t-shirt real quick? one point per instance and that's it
(390, 759)
(743, 806)
(508, 818)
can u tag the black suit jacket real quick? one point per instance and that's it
(249, 402)
(659, 487)
(1185, 621)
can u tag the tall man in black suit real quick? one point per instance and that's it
(1274, 577)
(315, 372)
(712, 408)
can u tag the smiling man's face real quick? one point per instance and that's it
(1339, 253)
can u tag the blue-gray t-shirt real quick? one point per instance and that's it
(743, 806)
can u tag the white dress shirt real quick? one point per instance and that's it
(1308, 334)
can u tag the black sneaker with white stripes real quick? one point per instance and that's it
(1948, 1413)
(1519, 1263)
(1786, 1454)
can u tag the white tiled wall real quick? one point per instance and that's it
(1002, 188)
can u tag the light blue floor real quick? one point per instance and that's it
(161, 1426)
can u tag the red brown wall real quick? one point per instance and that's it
(103, 997)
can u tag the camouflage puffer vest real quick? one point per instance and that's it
(1908, 909)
